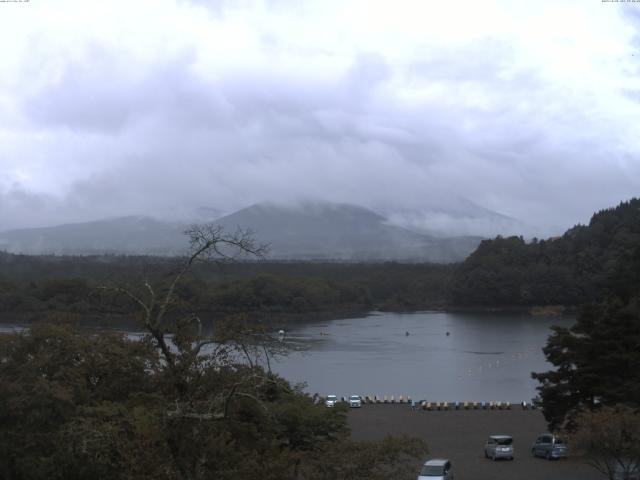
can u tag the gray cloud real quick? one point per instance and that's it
(105, 93)
(22, 209)
(109, 135)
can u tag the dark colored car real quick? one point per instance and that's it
(436, 469)
(550, 447)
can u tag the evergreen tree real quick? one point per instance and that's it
(597, 362)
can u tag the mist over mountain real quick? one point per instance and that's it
(309, 230)
(458, 216)
(122, 235)
(344, 232)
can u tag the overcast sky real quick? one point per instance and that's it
(531, 109)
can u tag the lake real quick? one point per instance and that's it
(486, 356)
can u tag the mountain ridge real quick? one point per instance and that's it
(305, 231)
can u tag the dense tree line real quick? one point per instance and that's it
(577, 268)
(33, 287)
(593, 390)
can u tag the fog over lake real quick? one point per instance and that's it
(486, 356)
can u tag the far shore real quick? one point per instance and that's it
(533, 310)
(126, 322)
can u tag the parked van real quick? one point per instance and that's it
(550, 447)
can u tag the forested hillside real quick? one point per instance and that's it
(577, 268)
(596, 361)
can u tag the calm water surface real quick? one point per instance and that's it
(485, 357)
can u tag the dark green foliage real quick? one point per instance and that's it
(579, 267)
(76, 406)
(32, 286)
(597, 362)
(62, 394)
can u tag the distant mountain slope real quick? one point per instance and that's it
(133, 235)
(342, 232)
(311, 231)
(584, 265)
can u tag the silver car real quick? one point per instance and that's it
(499, 446)
(331, 401)
(550, 447)
(355, 401)
(436, 469)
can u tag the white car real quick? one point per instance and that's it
(355, 401)
(436, 469)
(331, 401)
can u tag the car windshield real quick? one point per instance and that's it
(432, 471)
(331, 397)
(559, 441)
(354, 397)
(504, 441)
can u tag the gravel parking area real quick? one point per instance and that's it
(459, 435)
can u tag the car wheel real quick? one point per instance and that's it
(494, 457)
(548, 456)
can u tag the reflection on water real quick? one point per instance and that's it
(484, 357)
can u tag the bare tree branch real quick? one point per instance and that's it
(207, 243)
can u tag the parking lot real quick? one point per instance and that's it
(459, 435)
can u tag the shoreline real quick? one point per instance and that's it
(110, 320)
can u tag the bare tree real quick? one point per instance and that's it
(179, 336)
(609, 440)
(193, 358)
(208, 243)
